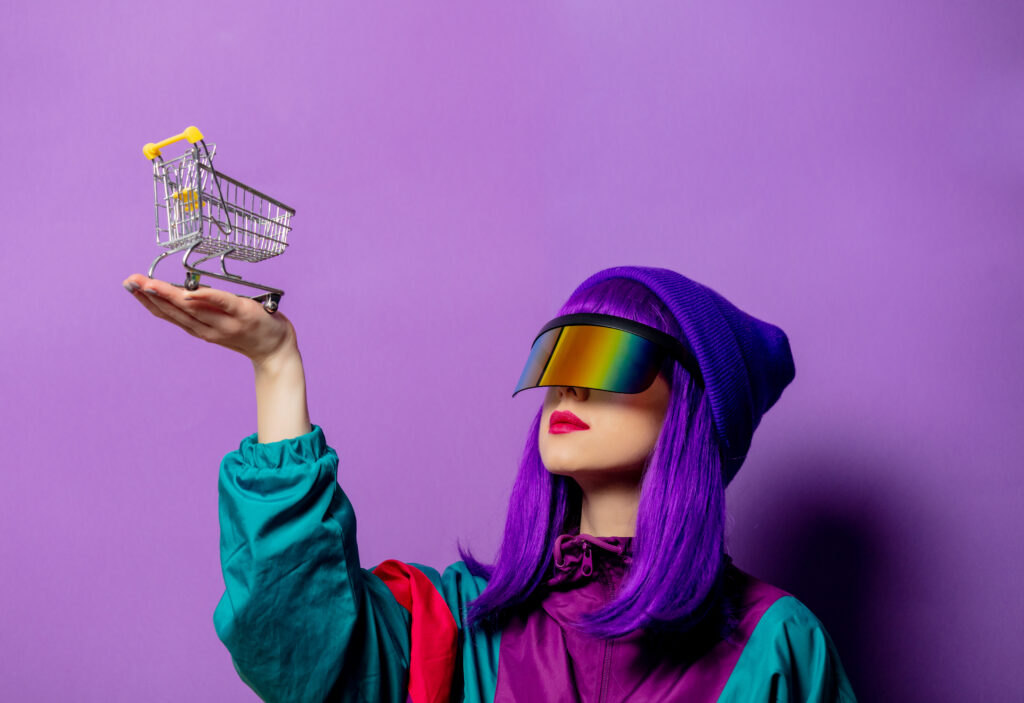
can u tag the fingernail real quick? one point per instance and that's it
(151, 291)
(131, 286)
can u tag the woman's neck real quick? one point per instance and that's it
(609, 505)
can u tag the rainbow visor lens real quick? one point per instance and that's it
(584, 351)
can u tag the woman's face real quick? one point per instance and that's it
(622, 429)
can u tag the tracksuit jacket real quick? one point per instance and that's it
(304, 621)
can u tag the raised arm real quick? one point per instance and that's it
(301, 619)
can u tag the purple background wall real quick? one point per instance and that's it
(850, 172)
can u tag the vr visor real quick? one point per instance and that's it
(601, 352)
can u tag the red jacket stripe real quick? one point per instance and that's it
(433, 635)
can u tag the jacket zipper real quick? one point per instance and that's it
(607, 664)
(605, 669)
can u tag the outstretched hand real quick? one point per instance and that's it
(232, 321)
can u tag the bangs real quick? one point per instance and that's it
(624, 297)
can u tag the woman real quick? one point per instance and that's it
(612, 581)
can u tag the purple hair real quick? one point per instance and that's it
(674, 582)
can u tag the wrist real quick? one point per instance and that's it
(272, 364)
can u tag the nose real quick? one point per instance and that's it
(579, 393)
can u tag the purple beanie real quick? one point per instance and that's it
(745, 362)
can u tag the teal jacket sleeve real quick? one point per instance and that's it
(301, 619)
(789, 658)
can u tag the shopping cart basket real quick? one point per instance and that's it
(205, 212)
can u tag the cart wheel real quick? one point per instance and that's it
(270, 306)
(192, 280)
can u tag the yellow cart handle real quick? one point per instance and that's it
(153, 150)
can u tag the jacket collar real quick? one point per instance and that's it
(574, 556)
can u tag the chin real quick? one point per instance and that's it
(574, 470)
(589, 473)
(561, 469)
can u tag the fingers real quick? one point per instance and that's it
(164, 290)
(134, 282)
(165, 301)
(218, 299)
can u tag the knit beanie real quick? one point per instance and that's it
(745, 362)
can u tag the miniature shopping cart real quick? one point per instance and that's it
(202, 211)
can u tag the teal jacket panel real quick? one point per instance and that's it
(789, 658)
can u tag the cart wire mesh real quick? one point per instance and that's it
(219, 214)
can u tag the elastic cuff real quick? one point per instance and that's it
(304, 449)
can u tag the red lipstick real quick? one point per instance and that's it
(563, 421)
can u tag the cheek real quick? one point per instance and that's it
(634, 426)
(634, 434)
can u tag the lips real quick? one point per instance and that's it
(563, 421)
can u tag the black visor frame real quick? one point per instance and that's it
(672, 347)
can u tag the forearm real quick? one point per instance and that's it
(281, 409)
